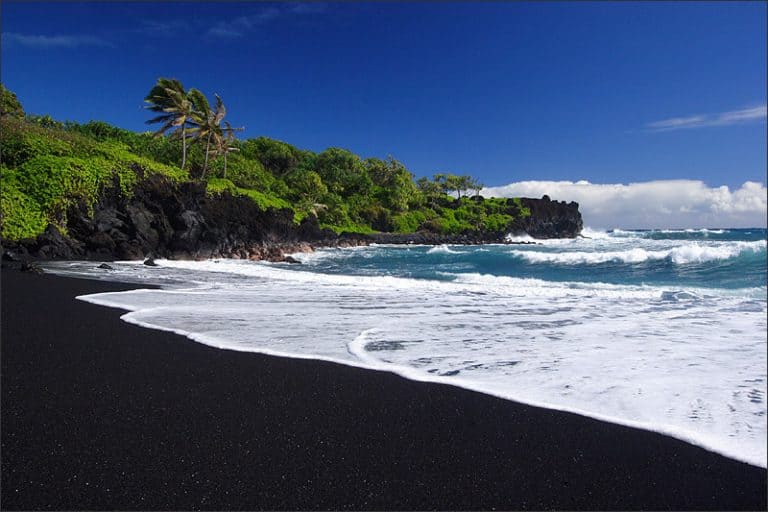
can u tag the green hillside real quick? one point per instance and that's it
(46, 165)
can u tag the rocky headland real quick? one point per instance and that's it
(164, 219)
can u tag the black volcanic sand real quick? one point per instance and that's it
(100, 414)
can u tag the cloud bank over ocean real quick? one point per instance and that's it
(675, 204)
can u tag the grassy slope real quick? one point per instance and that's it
(45, 170)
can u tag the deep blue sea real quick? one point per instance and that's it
(663, 329)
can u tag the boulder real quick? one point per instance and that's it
(33, 268)
(53, 245)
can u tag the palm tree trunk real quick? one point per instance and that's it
(225, 165)
(183, 146)
(207, 148)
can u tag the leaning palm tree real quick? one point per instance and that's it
(224, 143)
(175, 106)
(207, 122)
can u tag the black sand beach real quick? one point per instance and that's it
(100, 414)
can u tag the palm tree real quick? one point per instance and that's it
(207, 122)
(224, 143)
(175, 106)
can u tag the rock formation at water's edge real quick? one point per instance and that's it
(163, 219)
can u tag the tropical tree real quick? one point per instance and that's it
(224, 143)
(460, 184)
(443, 181)
(307, 187)
(278, 157)
(429, 187)
(343, 172)
(207, 122)
(448, 183)
(395, 187)
(175, 106)
(476, 185)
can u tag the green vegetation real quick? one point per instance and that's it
(9, 104)
(44, 171)
(47, 166)
(265, 201)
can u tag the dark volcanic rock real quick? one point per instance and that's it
(180, 221)
(10, 255)
(108, 220)
(101, 241)
(105, 267)
(550, 219)
(31, 267)
(142, 220)
(52, 245)
(188, 233)
(130, 250)
(429, 238)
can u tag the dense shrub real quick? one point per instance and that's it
(410, 221)
(20, 215)
(45, 170)
(264, 201)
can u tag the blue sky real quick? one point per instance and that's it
(604, 92)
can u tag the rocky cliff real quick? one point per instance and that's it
(549, 219)
(181, 221)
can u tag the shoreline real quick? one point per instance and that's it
(16, 253)
(414, 375)
(100, 413)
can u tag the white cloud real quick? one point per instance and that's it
(745, 115)
(54, 41)
(240, 26)
(164, 28)
(672, 204)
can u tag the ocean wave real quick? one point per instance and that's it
(442, 249)
(467, 283)
(692, 230)
(626, 234)
(333, 253)
(461, 282)
(594, 233)
(615, 235)
(525, 238)
(681, 255)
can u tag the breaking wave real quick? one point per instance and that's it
(680, 255)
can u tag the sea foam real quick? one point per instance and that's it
(441, 249)
(687, 359)
(680, 255)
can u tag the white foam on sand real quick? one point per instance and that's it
(687, 363)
